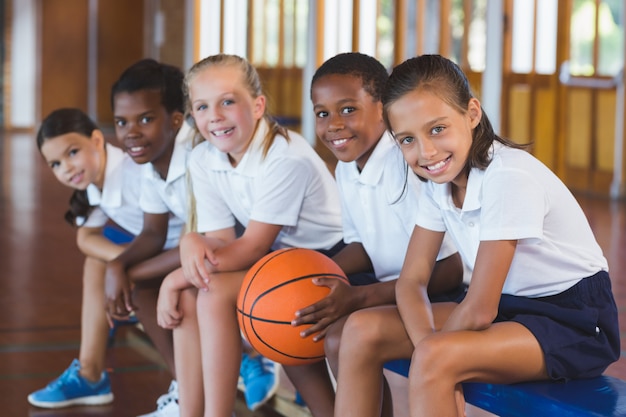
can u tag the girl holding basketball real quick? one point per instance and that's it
(252, 171)
(539, 305)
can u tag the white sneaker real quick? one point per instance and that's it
(167, 404)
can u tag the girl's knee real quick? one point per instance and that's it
(223, 290)
(187, 301)
(429, 358)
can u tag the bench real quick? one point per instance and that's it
(604, 396)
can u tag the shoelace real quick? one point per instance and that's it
(66, 376)
(165, 399)
(253, 368)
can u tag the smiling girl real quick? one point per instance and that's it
(539, 305)
(251, 171)
(105, 203)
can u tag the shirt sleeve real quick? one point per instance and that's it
(513, 207)
(429, 213)
(212, 212)
(281, 188)
(150, 201)
(97, 218)
(448, 247)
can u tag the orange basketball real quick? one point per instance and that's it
(273, 290)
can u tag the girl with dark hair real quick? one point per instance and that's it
(105, 209)
(539, 304)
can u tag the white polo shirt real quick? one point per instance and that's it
(519, 198)
(291, 186)
(170, 195)
(379, 205)
(119, 198)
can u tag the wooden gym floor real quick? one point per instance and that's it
(40, 287)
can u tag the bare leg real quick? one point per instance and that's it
(332, 343)
(370, 338)
(188, 357)
(314, 385)
(220, 339)
(504, 353)
(145, 296)
(94, 327)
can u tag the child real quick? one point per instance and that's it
(107, 189)
(539, 305)
(272, 182)
(148, 109)
(378, 197)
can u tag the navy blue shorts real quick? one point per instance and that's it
(577, 329)
(334, 250)
(362, 278)
(116, 234)
(456, 295)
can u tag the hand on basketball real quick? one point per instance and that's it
(117, 286)
(197, 260)
(273, 290)
(168, 315)
(339, 302)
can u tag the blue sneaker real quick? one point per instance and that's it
(72, 389)
(260, 379)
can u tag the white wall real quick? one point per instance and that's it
(23, 65)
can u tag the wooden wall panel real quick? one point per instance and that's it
(519, 114)
(120, 44)
(172, 50)
(578, 129)
(283, 89)
(605, 130)
(63, 54)
(544, 147)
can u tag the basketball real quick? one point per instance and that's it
(272, 291)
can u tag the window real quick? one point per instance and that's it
(597, 37)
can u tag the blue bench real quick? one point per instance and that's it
(604, 396)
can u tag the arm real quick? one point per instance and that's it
(353, 259)
(343, 299)
(243, 252)
(168, 314)
(196, 254)
(156, 267)
(147, 244)
(92, 243)
(480, 307)
(411, 288)
(219, 251)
